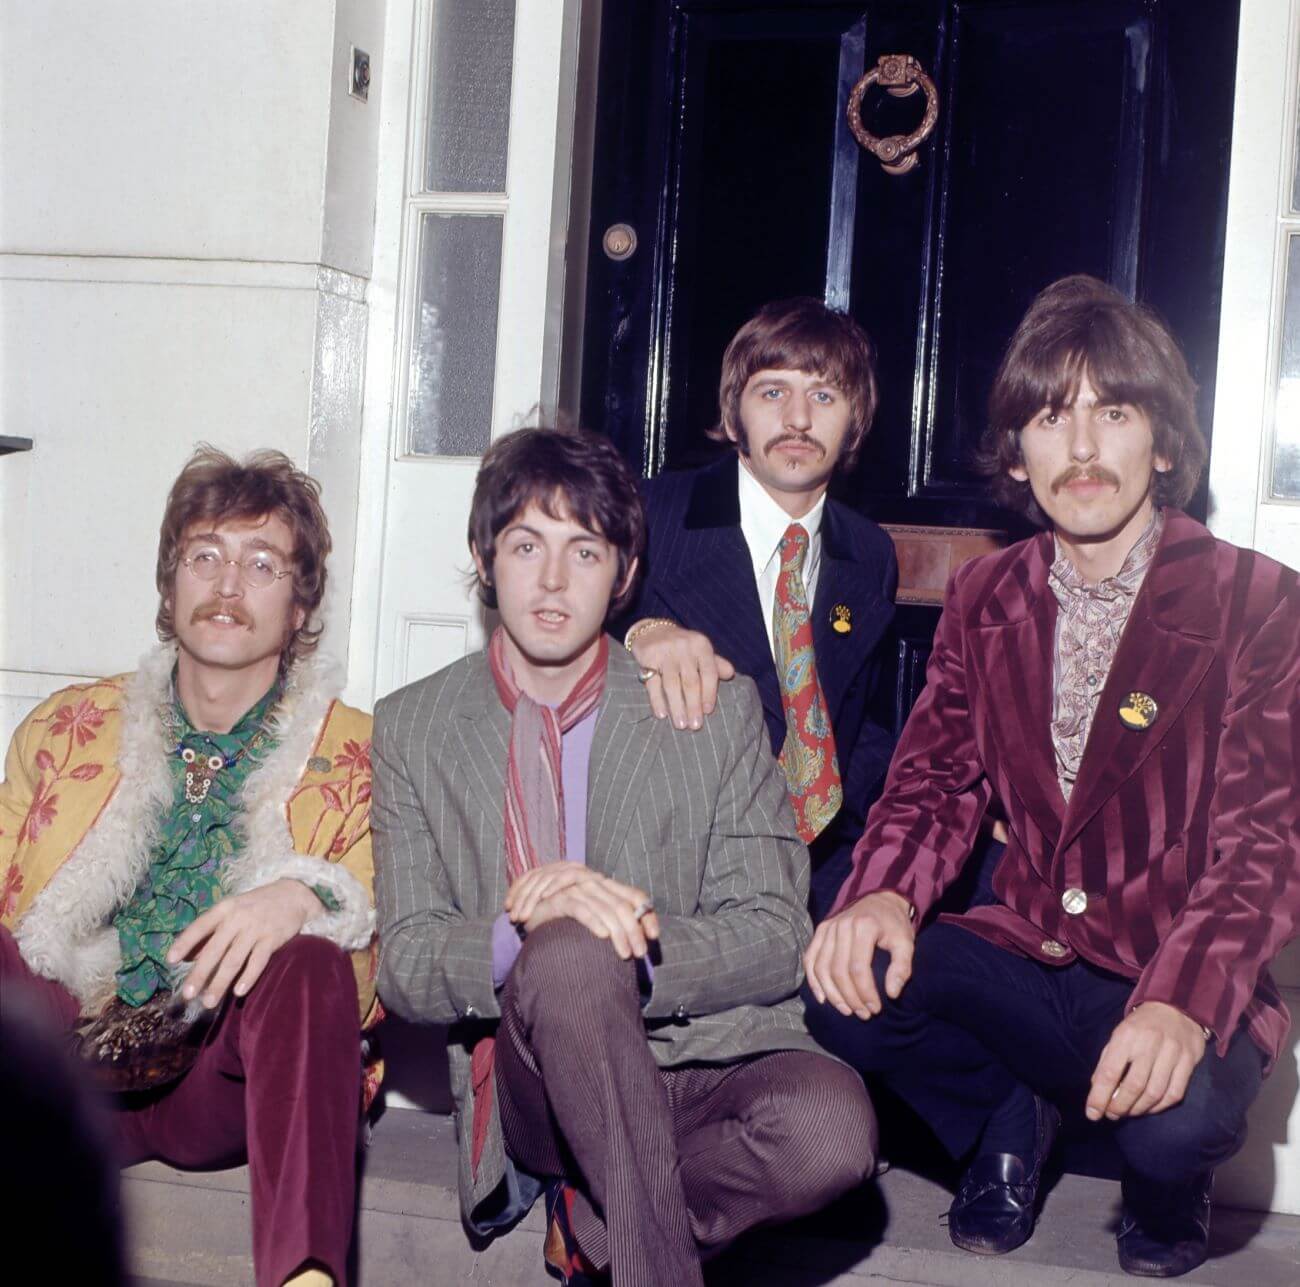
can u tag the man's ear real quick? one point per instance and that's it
(299, 618)
(479, 566)
(1162, 464)
(628, 578)
(1018, 470)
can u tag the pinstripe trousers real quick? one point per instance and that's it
(668, 1162)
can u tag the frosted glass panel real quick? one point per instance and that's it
(1286, 424)
(449, 402)
(469, 95)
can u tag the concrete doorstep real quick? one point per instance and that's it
(193, 1228)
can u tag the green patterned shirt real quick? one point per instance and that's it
(196, 841)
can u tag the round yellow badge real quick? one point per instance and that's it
(1138, 711)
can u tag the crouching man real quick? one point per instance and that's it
(185, 864)
(1127, 687)
(609, 912)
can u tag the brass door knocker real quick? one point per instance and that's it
(900, 75)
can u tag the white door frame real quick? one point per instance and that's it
(393, 504)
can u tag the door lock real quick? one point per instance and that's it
(619, 241)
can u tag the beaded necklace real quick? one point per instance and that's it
(201, 770)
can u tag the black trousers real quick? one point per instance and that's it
(975, 1022)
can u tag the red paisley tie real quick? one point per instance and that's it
(808, 756)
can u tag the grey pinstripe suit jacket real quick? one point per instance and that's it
(698, 820)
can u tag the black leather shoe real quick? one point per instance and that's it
(997, 1200)
(1163, 1231)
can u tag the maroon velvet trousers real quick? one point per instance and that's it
(673, 1162)
(278, 1083)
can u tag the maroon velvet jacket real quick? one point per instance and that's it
(1185, 836)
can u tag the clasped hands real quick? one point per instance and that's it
(239, 936)
(1144, 1067)
(606, 907)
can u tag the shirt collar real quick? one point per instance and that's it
(1067, 582)
(763, 522)
(247, 727)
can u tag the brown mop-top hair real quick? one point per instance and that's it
(215, 488)
(800, 334)
(559, 470)
(1079, 326)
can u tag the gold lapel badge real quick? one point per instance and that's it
(1138, 711)
(318, 764)
(841, 619)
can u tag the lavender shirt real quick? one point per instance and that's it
(575, 757)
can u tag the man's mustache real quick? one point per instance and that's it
(1084, 474)
(803, 439)
(206, 611)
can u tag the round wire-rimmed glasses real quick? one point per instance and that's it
(257, 570)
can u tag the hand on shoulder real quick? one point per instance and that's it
(687, 671)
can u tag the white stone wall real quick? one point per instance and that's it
(186, 229)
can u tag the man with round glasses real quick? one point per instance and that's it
(185, 866)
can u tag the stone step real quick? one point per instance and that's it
(187, 1228)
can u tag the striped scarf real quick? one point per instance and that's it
(534, 809)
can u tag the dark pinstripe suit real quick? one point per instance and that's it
(698, 571)
(698, 820)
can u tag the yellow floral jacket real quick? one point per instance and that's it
(86, 785)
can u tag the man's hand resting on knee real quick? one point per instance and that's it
(608, 908)
(242, 932)
(1146, 1064)
(688, 672)
(838, 960)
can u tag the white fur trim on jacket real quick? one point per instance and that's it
(67, 932)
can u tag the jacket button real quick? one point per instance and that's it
(470, 1013)
(1075, 902)
(680, 1012)
(1050, 947)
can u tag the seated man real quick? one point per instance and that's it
(606, 910)
(201, 827)
(752, 557)
(1128, 688)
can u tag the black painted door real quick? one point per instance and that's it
(1073, 136)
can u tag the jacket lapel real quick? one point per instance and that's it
(483, 727)
(710, 582)
(1165, 650)
(1013, 647)
(841, 583)
(626, 740)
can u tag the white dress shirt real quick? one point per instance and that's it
(762, 524)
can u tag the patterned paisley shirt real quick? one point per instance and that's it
(196, 840)
(1088, 629)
